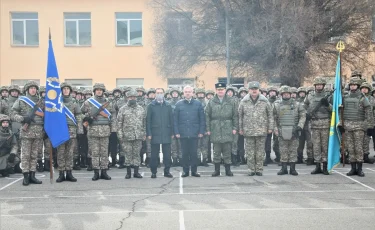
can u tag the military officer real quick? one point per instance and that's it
(8, 147)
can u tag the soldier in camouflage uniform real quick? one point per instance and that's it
(294, 92)
(74, 121)
(290, 117)
(242, 92)
(306, 134)
(263, 91)
(255, 122)
(4, 109)
(131, 130)
(202, 142)
(231, 91)
(14, 93)
(31, 138)
(119, 103)
(141, 100)
(272, 97)
(81, 137)
(222, 125)
(357, 119)
(8, 147)
(87, 93)
(4, 91)
(209, 95)
(167, 95)
(319, 114)
(366, 89)
(175, 146)
(99, 129)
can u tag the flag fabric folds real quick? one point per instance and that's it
(334, 134)
(55, 123)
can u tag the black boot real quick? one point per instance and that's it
(217, 170)
(46, 165)
(283, 170)
(325, 171)
(40, 167)
(33, 180)
(83, 162)
(227, 170)
(104, 175)
(128, 172)
(292, 170)
(121, 162)
(26, 179)
(96, 175)
(17, 168)
(353, 170)
(317, 169)
(70, 177)
(359, 170)
(61, 177)
(310, 161)
(89, 164)
(366, 159)
(136, 173)
(204, 162)
(76, 165)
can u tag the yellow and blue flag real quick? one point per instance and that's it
(334, 134)
(55, 123)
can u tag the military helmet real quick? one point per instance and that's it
(310, 88)
(175, 89)
(127, 89)
(231, 87)
(110, 92)
(262, 90)
(200, 90)
(356, 73)
(131, 93)
(209, 91)
(87, 91)
(167, 92)
(30, 84)
(74, 89)
(319, 81)
(243, 89)
(117, 89)
(141, 89)
(355, 81)
(4, 117)
(301, 89)
(15, 87)
(151, 90)
(42, 89)
(79, 91)
(293, 89)
(98, 86)
(66, 84)
(284, 89)
(272, 88)
(2, 88)
(366, 85)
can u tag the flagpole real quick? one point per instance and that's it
(340, 47)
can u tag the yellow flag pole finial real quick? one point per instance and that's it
(340, 46)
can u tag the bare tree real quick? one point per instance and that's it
(270, 38)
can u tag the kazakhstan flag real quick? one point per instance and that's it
(334, 134)
(54, 119)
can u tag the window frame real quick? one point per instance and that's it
(133, 86)
(72, 82)
(128, 28)
(24, 81)
(24, 28)
(77, 29)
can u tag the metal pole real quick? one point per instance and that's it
(227, 38)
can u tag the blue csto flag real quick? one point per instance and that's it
(334, 134)
(55, 123)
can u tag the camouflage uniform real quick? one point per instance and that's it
(320, 116)
(290, 119)
(357, 119)
(221, 120)
(4, 109)
(271, 136)
(31, 139)
(99, 131)
(141, 100)
(119, 103)
(175, 146)
(8, 148)
(202, 142)
(46, 143)
(235, 136)
(255, 120)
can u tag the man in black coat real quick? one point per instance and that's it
(159, 129)
(189, 125)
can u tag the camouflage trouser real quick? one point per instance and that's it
(254, 148)
(65, 154)
(288, 150)
(354, 144)
(222, 149)
(75, 150)
(202, 147)
(30, 147)
(99, 151)
(176, 148)
(44, 153)
(366, 144)
(234, 144)
(306, 138)
(320, 143)
(132, 149)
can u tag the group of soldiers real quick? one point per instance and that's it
(241, 125)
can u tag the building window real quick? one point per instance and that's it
(180, 82)
(25, 29)
(129, 29)
(129, 82)
(21, 82)
(77, 29)
(235, 81)
(80, 83)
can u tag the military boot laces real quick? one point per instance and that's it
(70, 177)
(96, 175)
(293, 169)
(136, 173)
(353, 170)
(283, 169)
(128, 172)
(325, 171)
(359, 170)
(217, 170)
(33, 180)
(227, 170)
(317, 169)
(104, 175)
(26, 179)
(61, 177)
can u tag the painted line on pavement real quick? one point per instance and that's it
(181, 184)
(181, 219)
(9, 184)
(358, 182)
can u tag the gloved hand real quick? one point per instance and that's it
(341, 129)
(11, 158)
(27, 120)
(324, 101)
(88, 119)
(370, 132)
